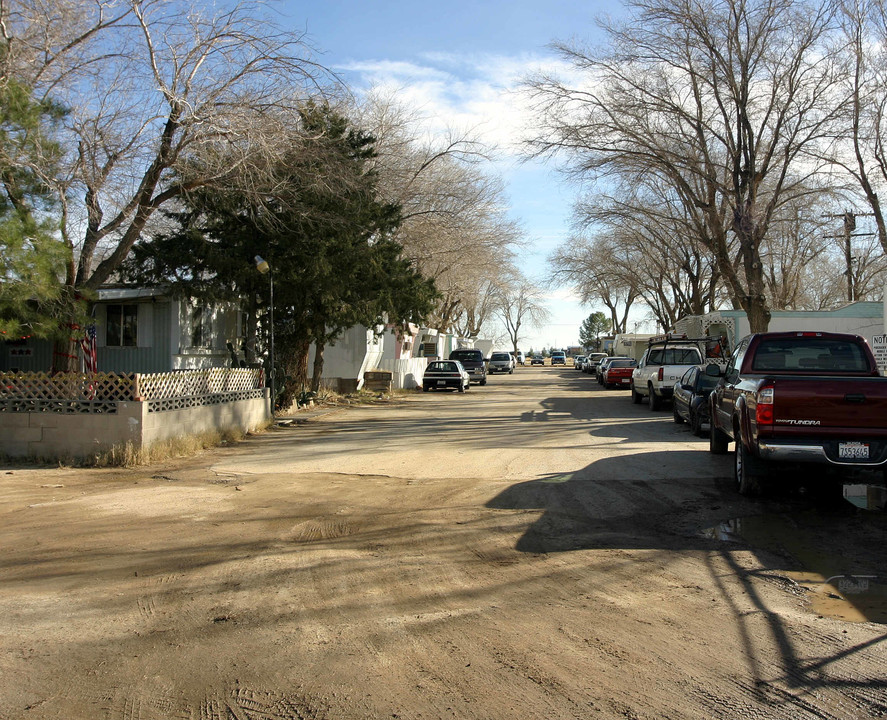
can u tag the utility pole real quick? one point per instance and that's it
(849, 218)
(849, 227)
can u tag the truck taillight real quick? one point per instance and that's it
(661, 373)
(764, 407)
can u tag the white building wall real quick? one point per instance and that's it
(809, 321)
(344, 358)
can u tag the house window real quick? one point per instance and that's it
(201, 327)
(122, 326)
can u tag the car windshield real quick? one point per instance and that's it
(501, 356)
(466, 355)
(622, 363)
(674, 356)
(813, 355)
(442, 367)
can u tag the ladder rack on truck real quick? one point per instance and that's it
(712, 348)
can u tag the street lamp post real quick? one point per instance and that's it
(265, 269)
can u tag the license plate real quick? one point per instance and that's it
(625, 381)
(853, 451)
(441, 382)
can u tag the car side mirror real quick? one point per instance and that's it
(713, 370)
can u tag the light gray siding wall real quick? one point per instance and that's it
(26, 356)
(153, 353)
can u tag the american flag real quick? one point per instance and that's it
(87, 345)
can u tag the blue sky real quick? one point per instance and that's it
(459, 63)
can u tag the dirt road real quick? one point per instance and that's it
(537, 548)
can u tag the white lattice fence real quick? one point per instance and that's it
(79, 392)
(188, 383)
(110, 387)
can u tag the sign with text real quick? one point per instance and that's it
(879, 348)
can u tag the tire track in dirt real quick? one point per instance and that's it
(237, 703)
(245, 703)
(144, 706)
(155, 596)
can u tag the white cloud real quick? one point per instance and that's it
(481, 94)
(475, 92)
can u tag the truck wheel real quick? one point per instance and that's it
(654, 399)
(636, 397)
(718, 441)
(748, 471)
(677, 417)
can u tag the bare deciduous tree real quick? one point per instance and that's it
(161, 96)
(521, 305)
(585, 264)
(860, 149)
(724, 102)
(654, 249)
(454, 228)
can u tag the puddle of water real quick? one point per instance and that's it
(839, 586)
(853, 598)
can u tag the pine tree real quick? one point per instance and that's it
(32, 261)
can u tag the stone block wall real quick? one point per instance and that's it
(56, 435)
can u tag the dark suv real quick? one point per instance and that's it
(472, 360)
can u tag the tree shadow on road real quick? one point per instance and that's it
(646, 502)
(632, 501)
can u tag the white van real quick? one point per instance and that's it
(519, 357)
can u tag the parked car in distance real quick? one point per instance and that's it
(500, 362)
(602, 365)
(618, 373)
(472, 360)
(537, 360)
(592, 361)
(558, 357)
(519, 357)
(445, 374)
(578, 362)
(690, 398)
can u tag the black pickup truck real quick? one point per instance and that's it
(799, 397)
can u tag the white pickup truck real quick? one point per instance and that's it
(662, 365)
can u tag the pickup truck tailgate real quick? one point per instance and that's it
(851, 403)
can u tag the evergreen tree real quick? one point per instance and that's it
(592, 328)
(325, 234)
(32, 261)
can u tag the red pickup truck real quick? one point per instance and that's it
(799, 397)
